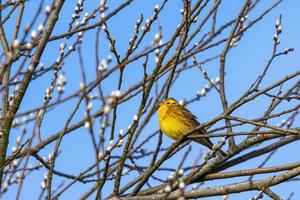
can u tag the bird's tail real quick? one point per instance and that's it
(209, 144)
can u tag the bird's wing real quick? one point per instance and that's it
(193, 118)
(190, 115)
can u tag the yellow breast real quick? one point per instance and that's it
(172, 123)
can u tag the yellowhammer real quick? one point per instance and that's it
(175, 120)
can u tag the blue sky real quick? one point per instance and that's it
(244, 63)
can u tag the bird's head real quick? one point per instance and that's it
(169, 102)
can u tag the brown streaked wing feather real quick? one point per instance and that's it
(193, 119)
(190, 115)
(203, 141)
(187, 117)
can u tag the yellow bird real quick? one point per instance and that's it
(175, 120)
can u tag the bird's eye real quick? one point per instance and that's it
(168, 103)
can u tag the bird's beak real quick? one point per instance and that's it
(161, 103)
